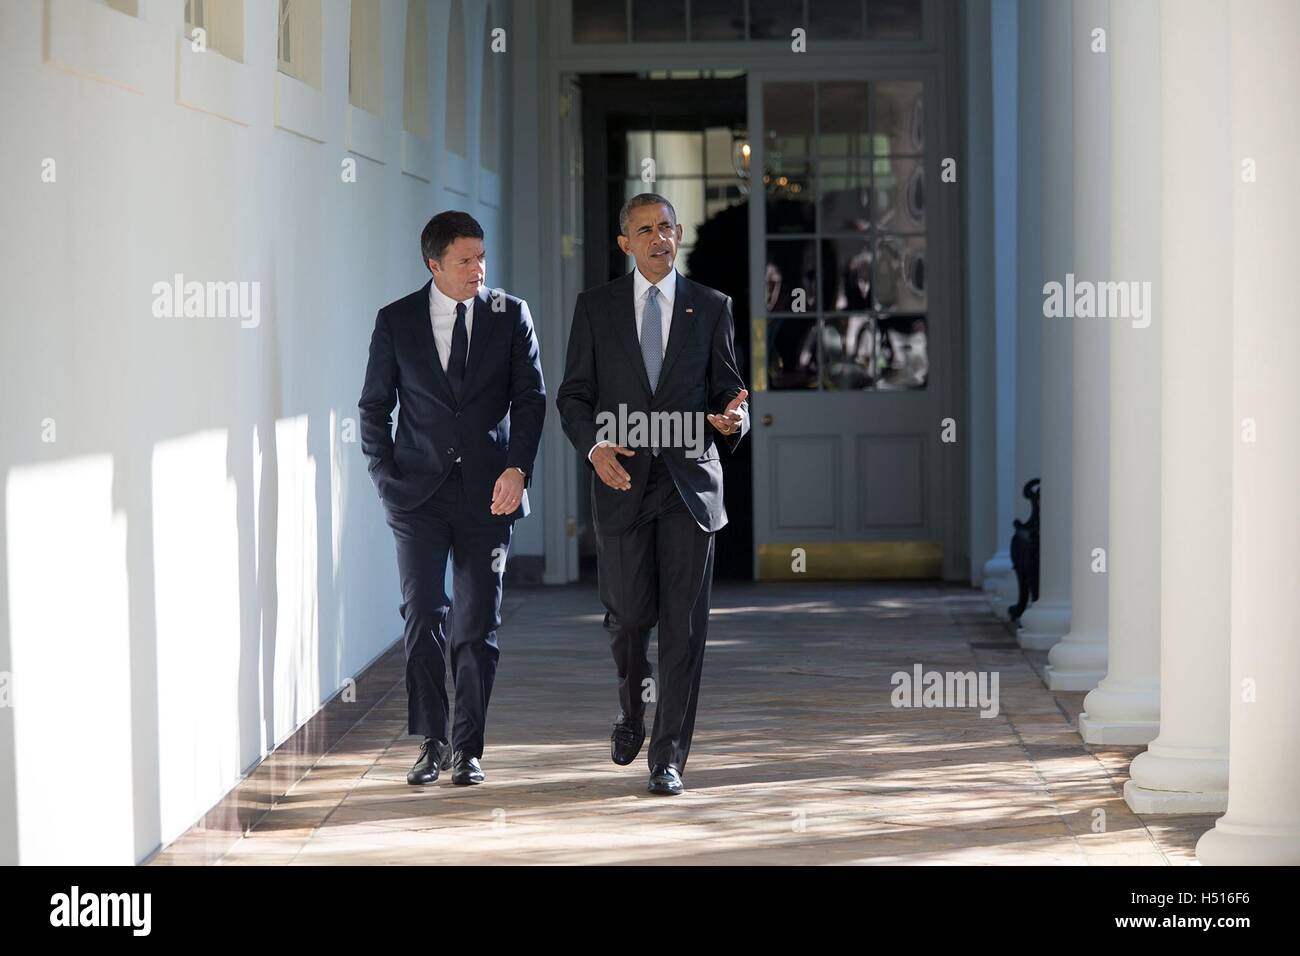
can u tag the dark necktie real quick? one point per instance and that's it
(459, 352)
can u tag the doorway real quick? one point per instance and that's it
(686, 139)
(856, 333)
(857, 462)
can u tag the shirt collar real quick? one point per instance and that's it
(667, 285)
(441, 302)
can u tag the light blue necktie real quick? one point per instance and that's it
(652, 337)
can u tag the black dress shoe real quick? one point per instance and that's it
(465, 769)
(626, 740)
(432, 758)
(665, 780)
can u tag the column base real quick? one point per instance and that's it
(996, 570)
(1117, 733)
(1008, 592)
(1077, 663)
(1043, 624)
(1121, 712)
(1232, 844)
(1153, 802)
(1058, 679)
(1178, 779)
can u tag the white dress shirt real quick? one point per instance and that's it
(667, 287)
(442, 314)
(641, 294)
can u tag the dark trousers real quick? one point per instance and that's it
(658, 572)
(425, 537)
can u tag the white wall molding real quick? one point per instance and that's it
(99, 43)
(417, 157)
(212, 83)
(364, 134)
(300, 108)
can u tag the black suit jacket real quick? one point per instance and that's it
(496, 424)
(604, 369)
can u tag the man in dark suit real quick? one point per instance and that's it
(654, 343)
(463, 362)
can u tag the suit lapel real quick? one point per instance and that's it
(429, 346)
(484, 323)
(680, 330)
(624, 319)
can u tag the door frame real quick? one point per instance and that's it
(540, 153)
(949, 500)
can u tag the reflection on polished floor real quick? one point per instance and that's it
(799, 756)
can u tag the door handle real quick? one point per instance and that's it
(766, 420)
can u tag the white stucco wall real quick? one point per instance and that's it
(198, 559)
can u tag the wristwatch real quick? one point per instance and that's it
(522, 473)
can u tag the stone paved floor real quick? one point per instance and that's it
(799, 756)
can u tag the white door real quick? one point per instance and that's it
(855, 333)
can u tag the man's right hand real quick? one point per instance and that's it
(604, 458)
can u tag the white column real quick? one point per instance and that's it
(1048, 618)
(1029, 266)
(979, 202)
(998, 573)
(1262, 825)
(1078, 661)
(1125, 707)
(1185, 769)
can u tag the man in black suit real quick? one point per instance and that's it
(654, 343)
(463, 362)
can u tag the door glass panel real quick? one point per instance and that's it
(835, 19)
(790, 280)
(791, 354)
(599, 21)
(790, 208)
(658, 20)
(898, 274)
(846, 200)
(900, 194)
(774, 19)
(844, 152)
(861, 268)
(893, 19)
(713, 21)
(787, 157)
(846, 274)
(896, 117)
(717, 20)
(851, 349)
(842, 108)
(904, 361)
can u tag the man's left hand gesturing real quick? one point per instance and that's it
(729, 421)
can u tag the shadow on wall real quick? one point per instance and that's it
(128, 565)
(204, 480)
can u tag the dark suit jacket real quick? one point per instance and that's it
(604, 369)
(497, 423)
